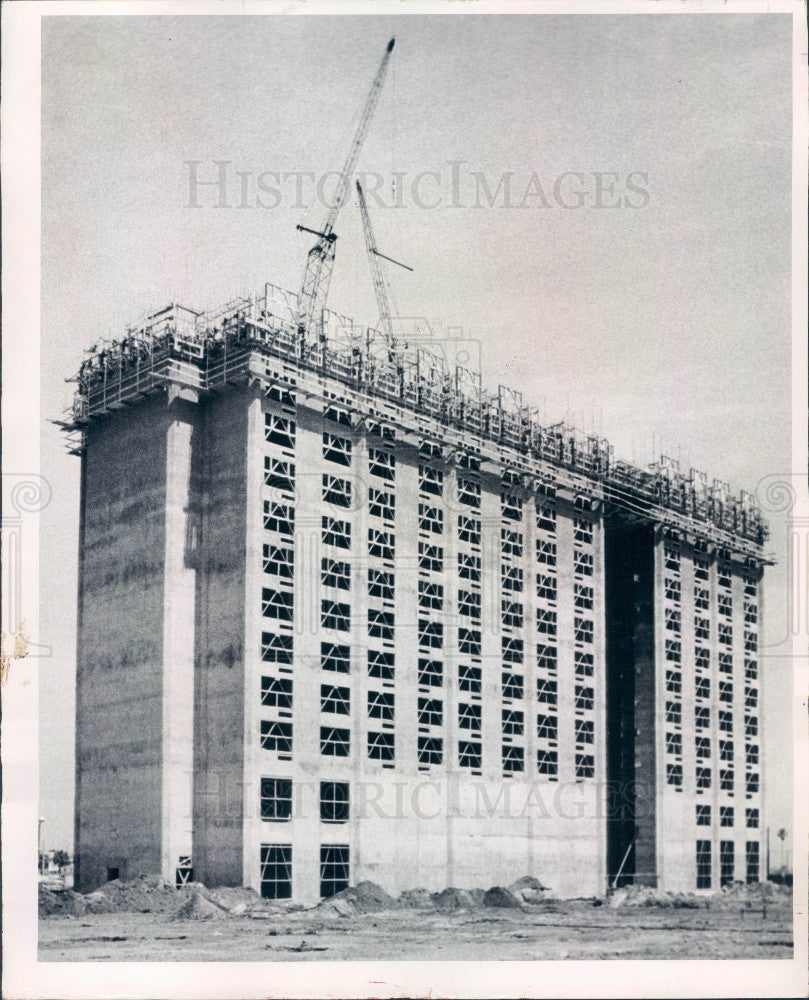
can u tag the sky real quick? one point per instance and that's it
(598, 206)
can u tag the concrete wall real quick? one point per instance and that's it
(134, 732)
(119, 702)
(219, 691)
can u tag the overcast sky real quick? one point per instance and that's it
(636, 281)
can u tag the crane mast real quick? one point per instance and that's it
(320, 261)
(377, 275)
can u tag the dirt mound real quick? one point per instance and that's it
(414, 898)
(502, 898)
(61, 903)
(529, 890)
(146, 894)
(152, 894)
(365, 897)
(198, 907)
(453, 899)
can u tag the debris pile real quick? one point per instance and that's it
(198, 906)
(239, 900)
(642, 895)
(530, 890)
(737, 895)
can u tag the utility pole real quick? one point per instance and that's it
(768, 854)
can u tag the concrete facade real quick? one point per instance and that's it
(285, 587)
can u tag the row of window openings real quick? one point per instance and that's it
(671, 556)
(702, 718)
(431, 596)
(276, 870)
(336, 742)
(281, 431)
(724, 592)
(276, 800)
(727, 851)
(277, 648)
(431, 636)
(336, 657)
(337, 574)
(702, 746)
(726, 816)
(704, 777)
(381, 463)
(336, 615)
(673, 593)
(431, 481)
(276, 692)
(702, 659)
(280, 518)
(431, 558)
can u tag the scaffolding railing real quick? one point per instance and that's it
(208, 351)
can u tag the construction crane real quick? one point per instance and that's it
(320, 262)
(377, 275)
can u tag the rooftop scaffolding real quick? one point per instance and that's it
(208, 351)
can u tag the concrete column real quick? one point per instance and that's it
(491, 633)
(181, 552)
(600, 713)
(309, 765)
(566, 668)
(360, 562)
(688, 832)
(738, 833)
(254, 478)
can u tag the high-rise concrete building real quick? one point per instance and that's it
(344, 615)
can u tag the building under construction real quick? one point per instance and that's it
(344, 614)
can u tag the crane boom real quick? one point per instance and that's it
(377, 276)
(320, 261)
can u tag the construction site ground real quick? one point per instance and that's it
(363, 923)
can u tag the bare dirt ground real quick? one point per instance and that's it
(211, 925)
